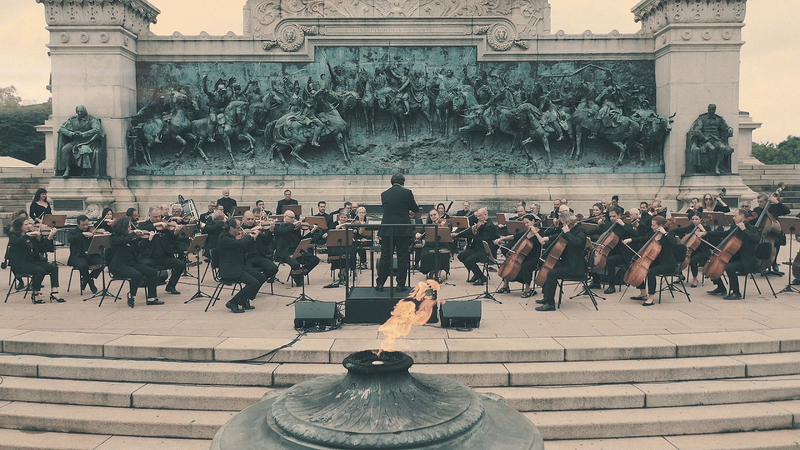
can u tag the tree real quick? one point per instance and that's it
(9, 98)
(18, 135)
(787, 152)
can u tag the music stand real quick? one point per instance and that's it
(296, 209)
(718, 219)
(441, 236)
(501, 219)
(98, 246)
(198, 242)
(276, 218)
(681, 221)
(118, 215)
(791, 225)
(340, 245)
(460, 223)
(515, 226)
(320, 222)
(54, 221)
(238, 211)
(302, 246)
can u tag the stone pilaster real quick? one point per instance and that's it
(697, 46)
(93, 48)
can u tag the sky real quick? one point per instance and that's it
(769, 74)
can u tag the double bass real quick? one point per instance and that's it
(770, 230)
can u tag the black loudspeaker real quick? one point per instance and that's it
(461, 314)
(366, 305)
(314, 315)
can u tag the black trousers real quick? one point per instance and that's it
(471, 258)
(430, 258)
(731, 269)
(305, 261)
(83, 263)
(390, 245)
(176, 265)
(651, 277)
(39, 269)
(697, 259)
(264, 265)
(549, 288)
(140, 274)
(251, 280)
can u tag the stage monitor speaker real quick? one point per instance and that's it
(314, 315)
(461, 314)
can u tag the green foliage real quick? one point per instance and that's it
(18, 136)
(9, 98)
(787, 152)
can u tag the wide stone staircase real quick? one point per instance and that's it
(765, 178)
(731, 390)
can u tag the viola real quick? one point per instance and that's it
(513, 263)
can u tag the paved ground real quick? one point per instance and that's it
(514, 318)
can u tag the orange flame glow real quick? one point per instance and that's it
(415, 309)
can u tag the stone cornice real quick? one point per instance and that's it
(656, 14)
(133, 15)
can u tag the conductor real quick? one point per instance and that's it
(397, 202)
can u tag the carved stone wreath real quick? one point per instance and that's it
(291, 38)
(265, 12)
(499, 37)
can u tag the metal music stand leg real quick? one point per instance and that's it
(199, 293)
(790, 287)
(104, 291)
(486, 294)
(302, 297)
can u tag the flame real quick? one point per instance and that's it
(415, 309)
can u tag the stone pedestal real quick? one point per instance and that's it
(745, 137)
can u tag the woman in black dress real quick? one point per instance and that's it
(106, 220)
(39, 206)
(25, 249)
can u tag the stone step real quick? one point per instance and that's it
(756, 440)
(44, 440)
(626, 423)
(137, 395)
(115, 421)
(650, 395)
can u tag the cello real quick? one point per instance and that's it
(553, 254)
(692, 242)
(513, 263)
(605, 243)
(637, 272)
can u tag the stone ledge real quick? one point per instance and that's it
(504, 350)
(730, 343)
(57, 343)
(615, 348)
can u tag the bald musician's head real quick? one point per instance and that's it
(563, 207)
(288, 217)
(634, 213)
(249, 219)
(482, 214)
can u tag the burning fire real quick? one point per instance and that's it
(415, 309)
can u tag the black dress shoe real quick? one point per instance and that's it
(504, 290)
(733, 296)
(540, 301)
(154, 301)
(639, 297)
(546, 307)
(233, 307)
(595, 286)
(718, 291)
(172, 290)
(248, 306)
(401, 288)
(84, 283)
(92, 287)
(610, 290)
(379, 288)
(130, 301)
(479, 282)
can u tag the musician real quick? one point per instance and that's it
(531, 260)
(709, 204)
(362, 239)
(343, 256)
(442, 210)
(483, 231)
(536, 212)
(618, 256)
(665, 261)
(26, 247)
(288, 236)
(226, 202)
(656, 209)
(398, 204)
(259, 255)
(40, 207)
(703, 252)
(556, 209)
(179, 217)
(322, 211)
(776, 208)
(285, 201)
(105, 221)
(213, 229)
(572, 262)
(694, 208)
(615, 203)
(158, 252)
(347, 208)
(260, 205)
(518, 214)
(232, 246)
(133, 215)
(645, 218)
(123, 262)
(744, 260)
(465, 211)
(434, 259)
(206, 216)
(79, 240)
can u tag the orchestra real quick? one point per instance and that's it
(640, 244)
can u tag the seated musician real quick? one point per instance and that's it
(362, 239)
(554, 214)
(572, 262)
(656, 209)
(709, 206)
(288, 235)
(645, 218)
(434, 260)
(531, 260)
(442, 210)
(106, 220)
(159, 252)
(465, 211)
(664, 263)
(259, 255)
(233, 245)
(179, 217)
(744, 260)
(124, 244)
(79, 240)
(535, 211)
(338, 256)
(776, 208)
(206, 216)
(620, 255)
(703, 252)
(133, 215)
(695, 207)
(518, 214)
(213, 228)
(483, 231)
(26, 247)
(285, 201)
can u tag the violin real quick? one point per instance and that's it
(637, 272)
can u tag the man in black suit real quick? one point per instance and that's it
(286, 200)
(288, 236)
(397, 202)
(475, 253)
(79, 240)
(232, 247)
(572, 262)
(227, 202)
(158, 253)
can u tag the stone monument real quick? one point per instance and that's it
(478, 100)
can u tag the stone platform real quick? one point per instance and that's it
(679, 375)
